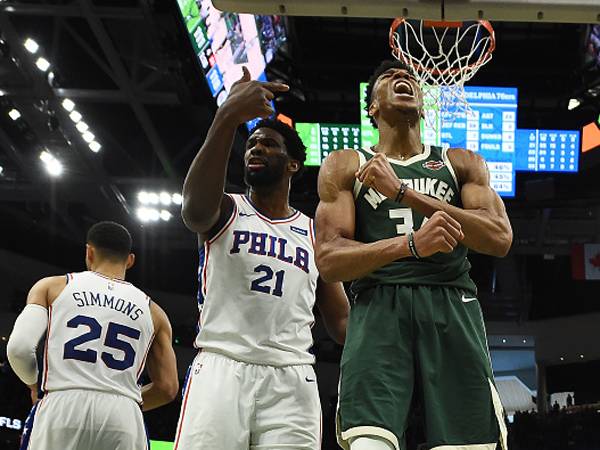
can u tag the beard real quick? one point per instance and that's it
(269, 175)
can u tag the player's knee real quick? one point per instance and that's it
(371, 443)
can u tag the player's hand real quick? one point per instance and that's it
(441, 233)
(377, 173)
(249, 98)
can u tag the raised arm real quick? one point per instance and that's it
(334, 308)
(203, 188)
(339, 256)
(483, 217)
(161, 364)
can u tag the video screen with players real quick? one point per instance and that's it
(224, 42)
(593, 44)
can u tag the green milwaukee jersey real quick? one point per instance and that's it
(378, 217)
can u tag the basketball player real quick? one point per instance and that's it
(408, 212)
(99, 331)
(252, 384)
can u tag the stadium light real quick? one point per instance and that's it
(573, 103)
(177, 199)
(142, 214)
(53, 166)
(165, 198)
(88, 136)
(31, 45)
(159, 198)
(165, 215)
(82, 127)
(68, 104)
(75, 116)
(153, 214)
(46, 157)
(95, 146)
(147, 214)
(43, 64)
(153, 198)
(14, 114)
(143, 197)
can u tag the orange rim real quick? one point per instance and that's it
(442, 24)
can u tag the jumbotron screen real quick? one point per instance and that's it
(224, 42)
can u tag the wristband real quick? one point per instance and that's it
(401, 192)
(411, 245)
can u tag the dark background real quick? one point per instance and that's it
(130, 68)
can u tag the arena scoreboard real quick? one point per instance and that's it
(322, 138)
(547, 150)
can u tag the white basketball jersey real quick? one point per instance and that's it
(99, 333)
(257, 288)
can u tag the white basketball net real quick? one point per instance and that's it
(444, 58)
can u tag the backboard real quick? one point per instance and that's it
(568, 11)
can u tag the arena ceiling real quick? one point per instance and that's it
(131, 72)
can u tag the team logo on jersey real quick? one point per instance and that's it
(297, 230)
(434, 165)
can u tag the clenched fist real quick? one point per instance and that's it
(377, 173)
(441, 233)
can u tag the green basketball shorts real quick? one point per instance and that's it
(432, 337)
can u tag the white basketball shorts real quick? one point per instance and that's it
(232, 405)
(85, 420)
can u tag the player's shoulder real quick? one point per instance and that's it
(464, 156)
(53, 281)
(339, 168)
(467, 164)
(160, 318)
(342, 157)
(47, 289)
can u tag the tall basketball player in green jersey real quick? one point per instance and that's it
(398, 219)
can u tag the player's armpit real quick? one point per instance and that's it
(334, 307)
(161, 364)
(339, 257)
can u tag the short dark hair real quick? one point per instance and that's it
(294, 145)
(384, 66)
(112, 240)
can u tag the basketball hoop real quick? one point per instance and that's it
(444, 56)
